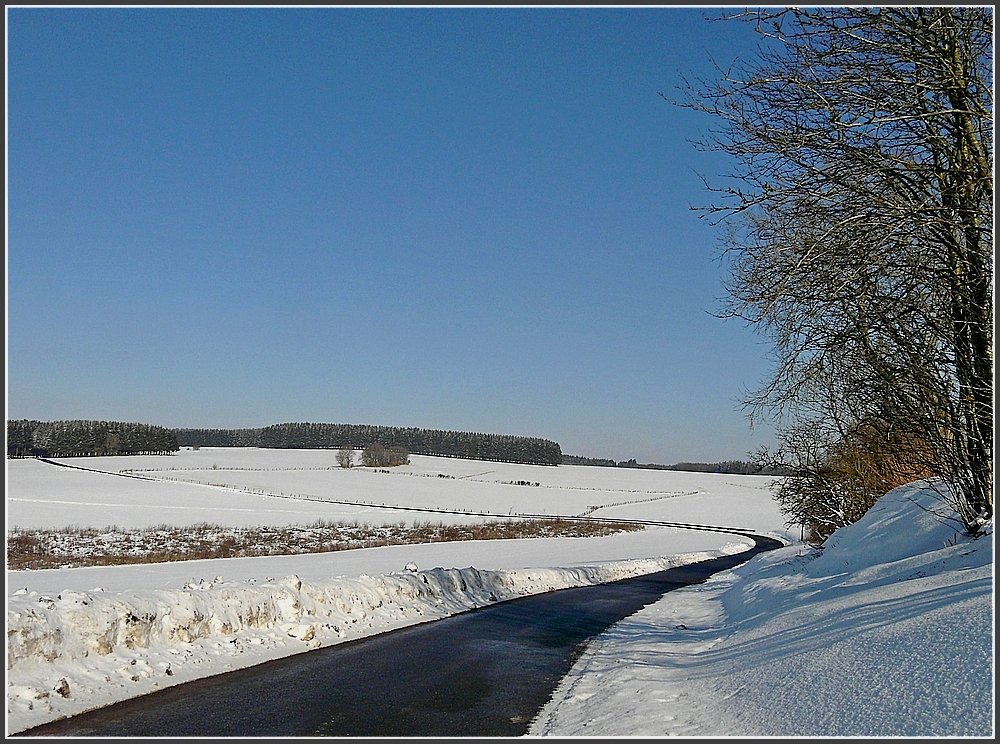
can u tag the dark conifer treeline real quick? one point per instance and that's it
(77, 438)
(731, 467)
(597, 461)
(470, 445)
(737, 467)
(218, 437)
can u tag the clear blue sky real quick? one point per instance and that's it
(474, 219)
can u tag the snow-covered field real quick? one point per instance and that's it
(250, 486)
(80, 638)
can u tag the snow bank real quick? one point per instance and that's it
(83, 649)
(887, 631)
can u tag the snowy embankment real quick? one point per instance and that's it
(83, 649)
(887, 631)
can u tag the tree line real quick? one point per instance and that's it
(85, 438)
(594, 461)
(219, 437)
(731, 467)
(857, 231)
(441, 443)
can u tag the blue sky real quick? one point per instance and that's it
(474, 219)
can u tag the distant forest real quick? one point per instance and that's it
(80, 438)
(597, 461)
(733, 467)
(27, 438)
(470, 445)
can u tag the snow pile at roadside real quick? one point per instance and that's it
(83, 649)
(886, 631)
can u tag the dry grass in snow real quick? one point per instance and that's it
(77, 547)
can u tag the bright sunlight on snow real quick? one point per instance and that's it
(886, 631)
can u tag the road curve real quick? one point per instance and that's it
(486, 672)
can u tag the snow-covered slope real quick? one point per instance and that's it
(887, 631)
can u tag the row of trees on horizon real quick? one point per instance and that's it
(442, 443)
(87, 438)
(82, 438)
(90, 438)
(730, 467)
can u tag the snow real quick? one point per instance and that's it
(887, 631)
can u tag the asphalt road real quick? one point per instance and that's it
(486, 672)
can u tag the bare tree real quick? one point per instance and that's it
(859, 226)
(373, 455)
(345, 457)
